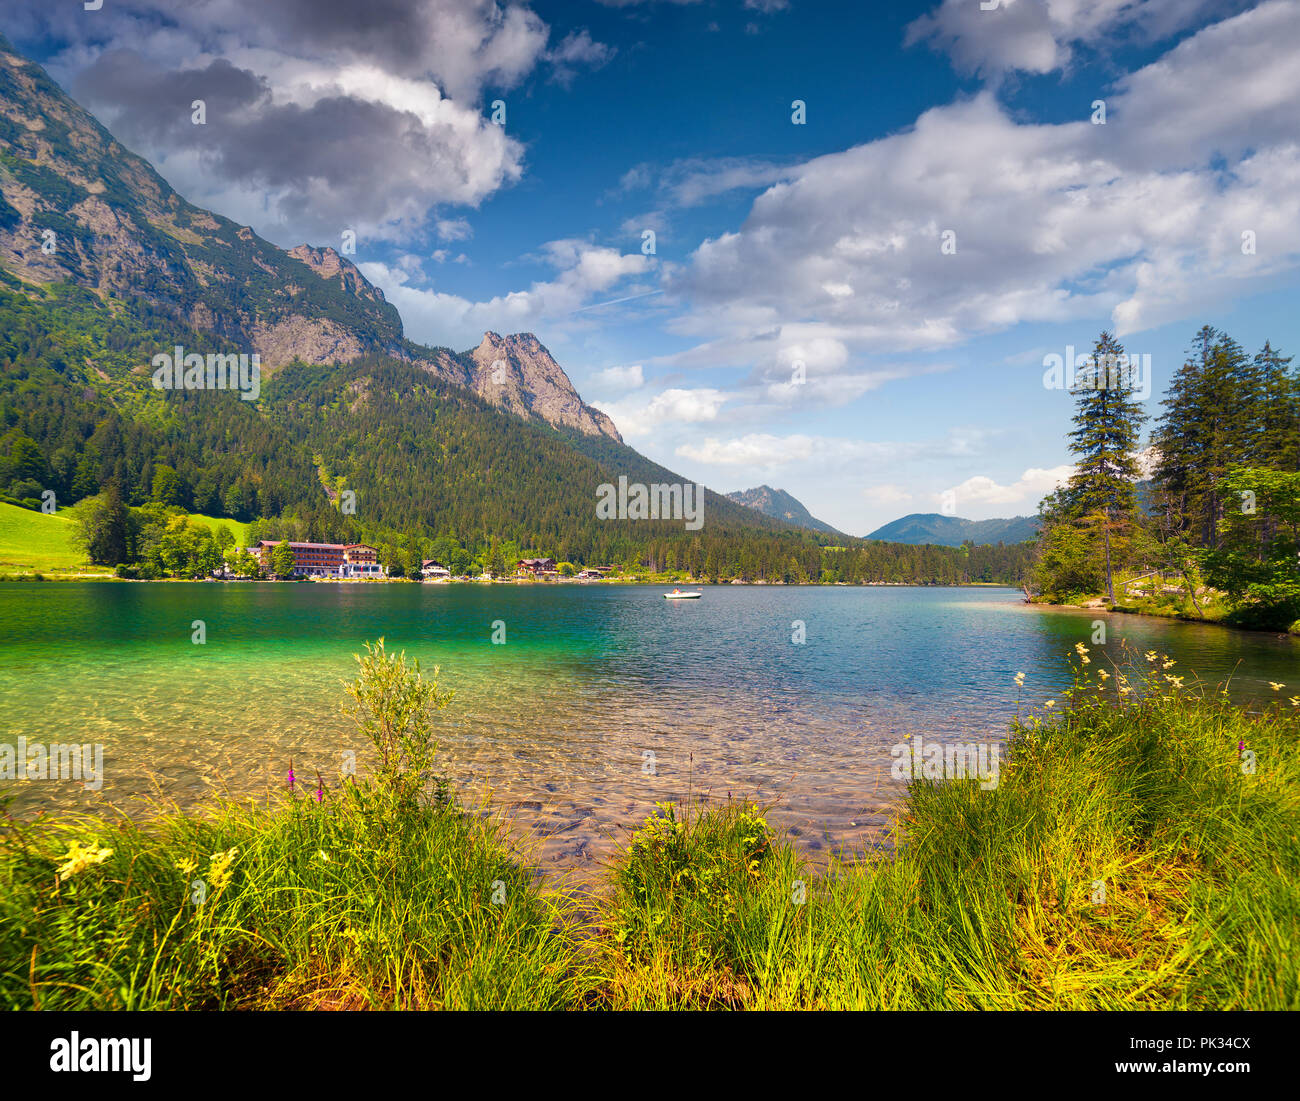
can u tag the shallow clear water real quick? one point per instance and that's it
(557, 723)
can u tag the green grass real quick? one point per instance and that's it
(32, 541)
(238, 530)
(992, 900)
(326, 907)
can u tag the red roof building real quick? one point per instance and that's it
(323, 559)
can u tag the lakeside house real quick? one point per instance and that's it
(433, 570)
(536, 567)
(347, 560)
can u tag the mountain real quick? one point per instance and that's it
(952, 531)
(102, 266)
(77, 207)
(780, 505)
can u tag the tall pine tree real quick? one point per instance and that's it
(1279, 420)
(1101, 494)
(1211, 421)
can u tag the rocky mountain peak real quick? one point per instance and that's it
(780, 505)
(328, 264)
(519, 373)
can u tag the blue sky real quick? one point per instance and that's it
(775, 244)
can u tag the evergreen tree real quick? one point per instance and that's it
(1108, 420)
(1279, 420)
(29, 462)
(1211, 420)
(167, 488)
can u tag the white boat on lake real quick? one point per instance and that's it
(677, 594)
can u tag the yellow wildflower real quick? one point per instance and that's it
(186, 867)
(1275, 686)
(1151, 655)
(80, 857)
(1020, 680)
(1050, 703)
(1103, 674)
(219, 870)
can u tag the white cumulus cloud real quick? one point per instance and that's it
(1030, 488)
(638, 416)
(620, 378)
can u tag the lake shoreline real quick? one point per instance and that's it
(40, 576)
(1292, 631)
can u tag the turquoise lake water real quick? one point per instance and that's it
(602, 700)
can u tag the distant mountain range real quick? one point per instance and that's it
(917, 529)
(778, 504)
(952, 531)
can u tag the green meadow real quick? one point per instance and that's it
(238, 530)
(34, 542)
(1140, 850)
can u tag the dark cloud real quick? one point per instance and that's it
(369, 112)
(397, 32)
(340, 161)
(151, 104)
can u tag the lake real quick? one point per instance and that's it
(602, 699)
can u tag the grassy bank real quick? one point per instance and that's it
(314, 907)
(33, 542)
(1209, 606)
(1139, 850)
(1213, 609)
